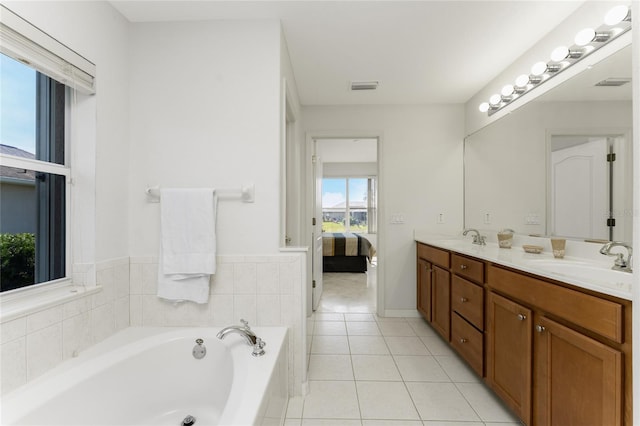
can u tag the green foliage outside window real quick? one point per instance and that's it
(17, 260)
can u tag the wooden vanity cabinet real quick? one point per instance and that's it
(556, 354)
(578, 380)
(434, 288)
(568, 348)
(509, 353)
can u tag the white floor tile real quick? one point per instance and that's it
(359, 317)
(485, 403)
(368, 345)
(375, 367)
(331, 399)
(327, 316)
(420, 368)
(330, 345)
(404, 345)
(330, 422)
(440, 401)
(330, 328)
(330, 367)
(445, 423)
(392, 423)
(457, 369)
(421, 327)
(292, 422)
(392, 328)
(437, 346)
(385, 400)
(362, 328)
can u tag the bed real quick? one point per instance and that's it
(345, 252)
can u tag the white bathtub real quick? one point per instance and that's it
(148, 376)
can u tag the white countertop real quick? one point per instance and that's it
(593, 275)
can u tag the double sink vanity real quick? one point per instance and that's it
(551, 337)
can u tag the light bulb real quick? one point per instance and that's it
(539, 68)
(559, 53)
(616, 15)
(495, 99)
(507, 90)
(585, 36)
(522, 80)
(484, 107)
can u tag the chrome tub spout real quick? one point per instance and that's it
(249, 336)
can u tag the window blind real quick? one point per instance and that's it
(28, 44)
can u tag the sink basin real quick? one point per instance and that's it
(585, 272)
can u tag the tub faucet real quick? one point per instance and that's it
(249, 336)
(477, 238)
(620, 264)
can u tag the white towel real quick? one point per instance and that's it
(187, 256)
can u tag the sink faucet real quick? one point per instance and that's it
(477, 238)
(620, 264)
(249, 336)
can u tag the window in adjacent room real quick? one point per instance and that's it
(349, 204)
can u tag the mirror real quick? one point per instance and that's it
(543, 168)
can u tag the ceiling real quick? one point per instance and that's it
(421, 52)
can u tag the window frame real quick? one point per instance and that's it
(40, 166)
(371, 210)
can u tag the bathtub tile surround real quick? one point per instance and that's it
(34, 343)
(264, 290)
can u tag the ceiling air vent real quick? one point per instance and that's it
(613, 82)
(364, 85)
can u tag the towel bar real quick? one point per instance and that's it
(246, 193)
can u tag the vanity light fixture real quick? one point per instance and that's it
(616, 22)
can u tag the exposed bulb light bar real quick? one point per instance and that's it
(586, 42)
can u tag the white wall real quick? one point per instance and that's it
(205, 112)
(420, 161)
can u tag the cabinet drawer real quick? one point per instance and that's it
(434, 255)
(468, 341)
(467, 299)
(584, 310)
(468, 268)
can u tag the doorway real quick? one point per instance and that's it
(345, 235)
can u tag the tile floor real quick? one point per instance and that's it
(366, 371)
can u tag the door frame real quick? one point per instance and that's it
(310, 137)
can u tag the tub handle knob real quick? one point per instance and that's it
(258, 348)
(245, 324)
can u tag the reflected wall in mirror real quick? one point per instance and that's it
(542, 168)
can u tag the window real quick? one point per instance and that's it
(349, 205)
(33, 219)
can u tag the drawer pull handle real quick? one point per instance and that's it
(463, 299)
(540, 328)
(463, 267)
(522, 317)
(463, 340)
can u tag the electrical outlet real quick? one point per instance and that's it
(397, 218)
(487, 218)
(440, 218)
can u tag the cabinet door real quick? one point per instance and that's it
(509, 351)
(578, 380)
(425, 272)
(441, 302)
